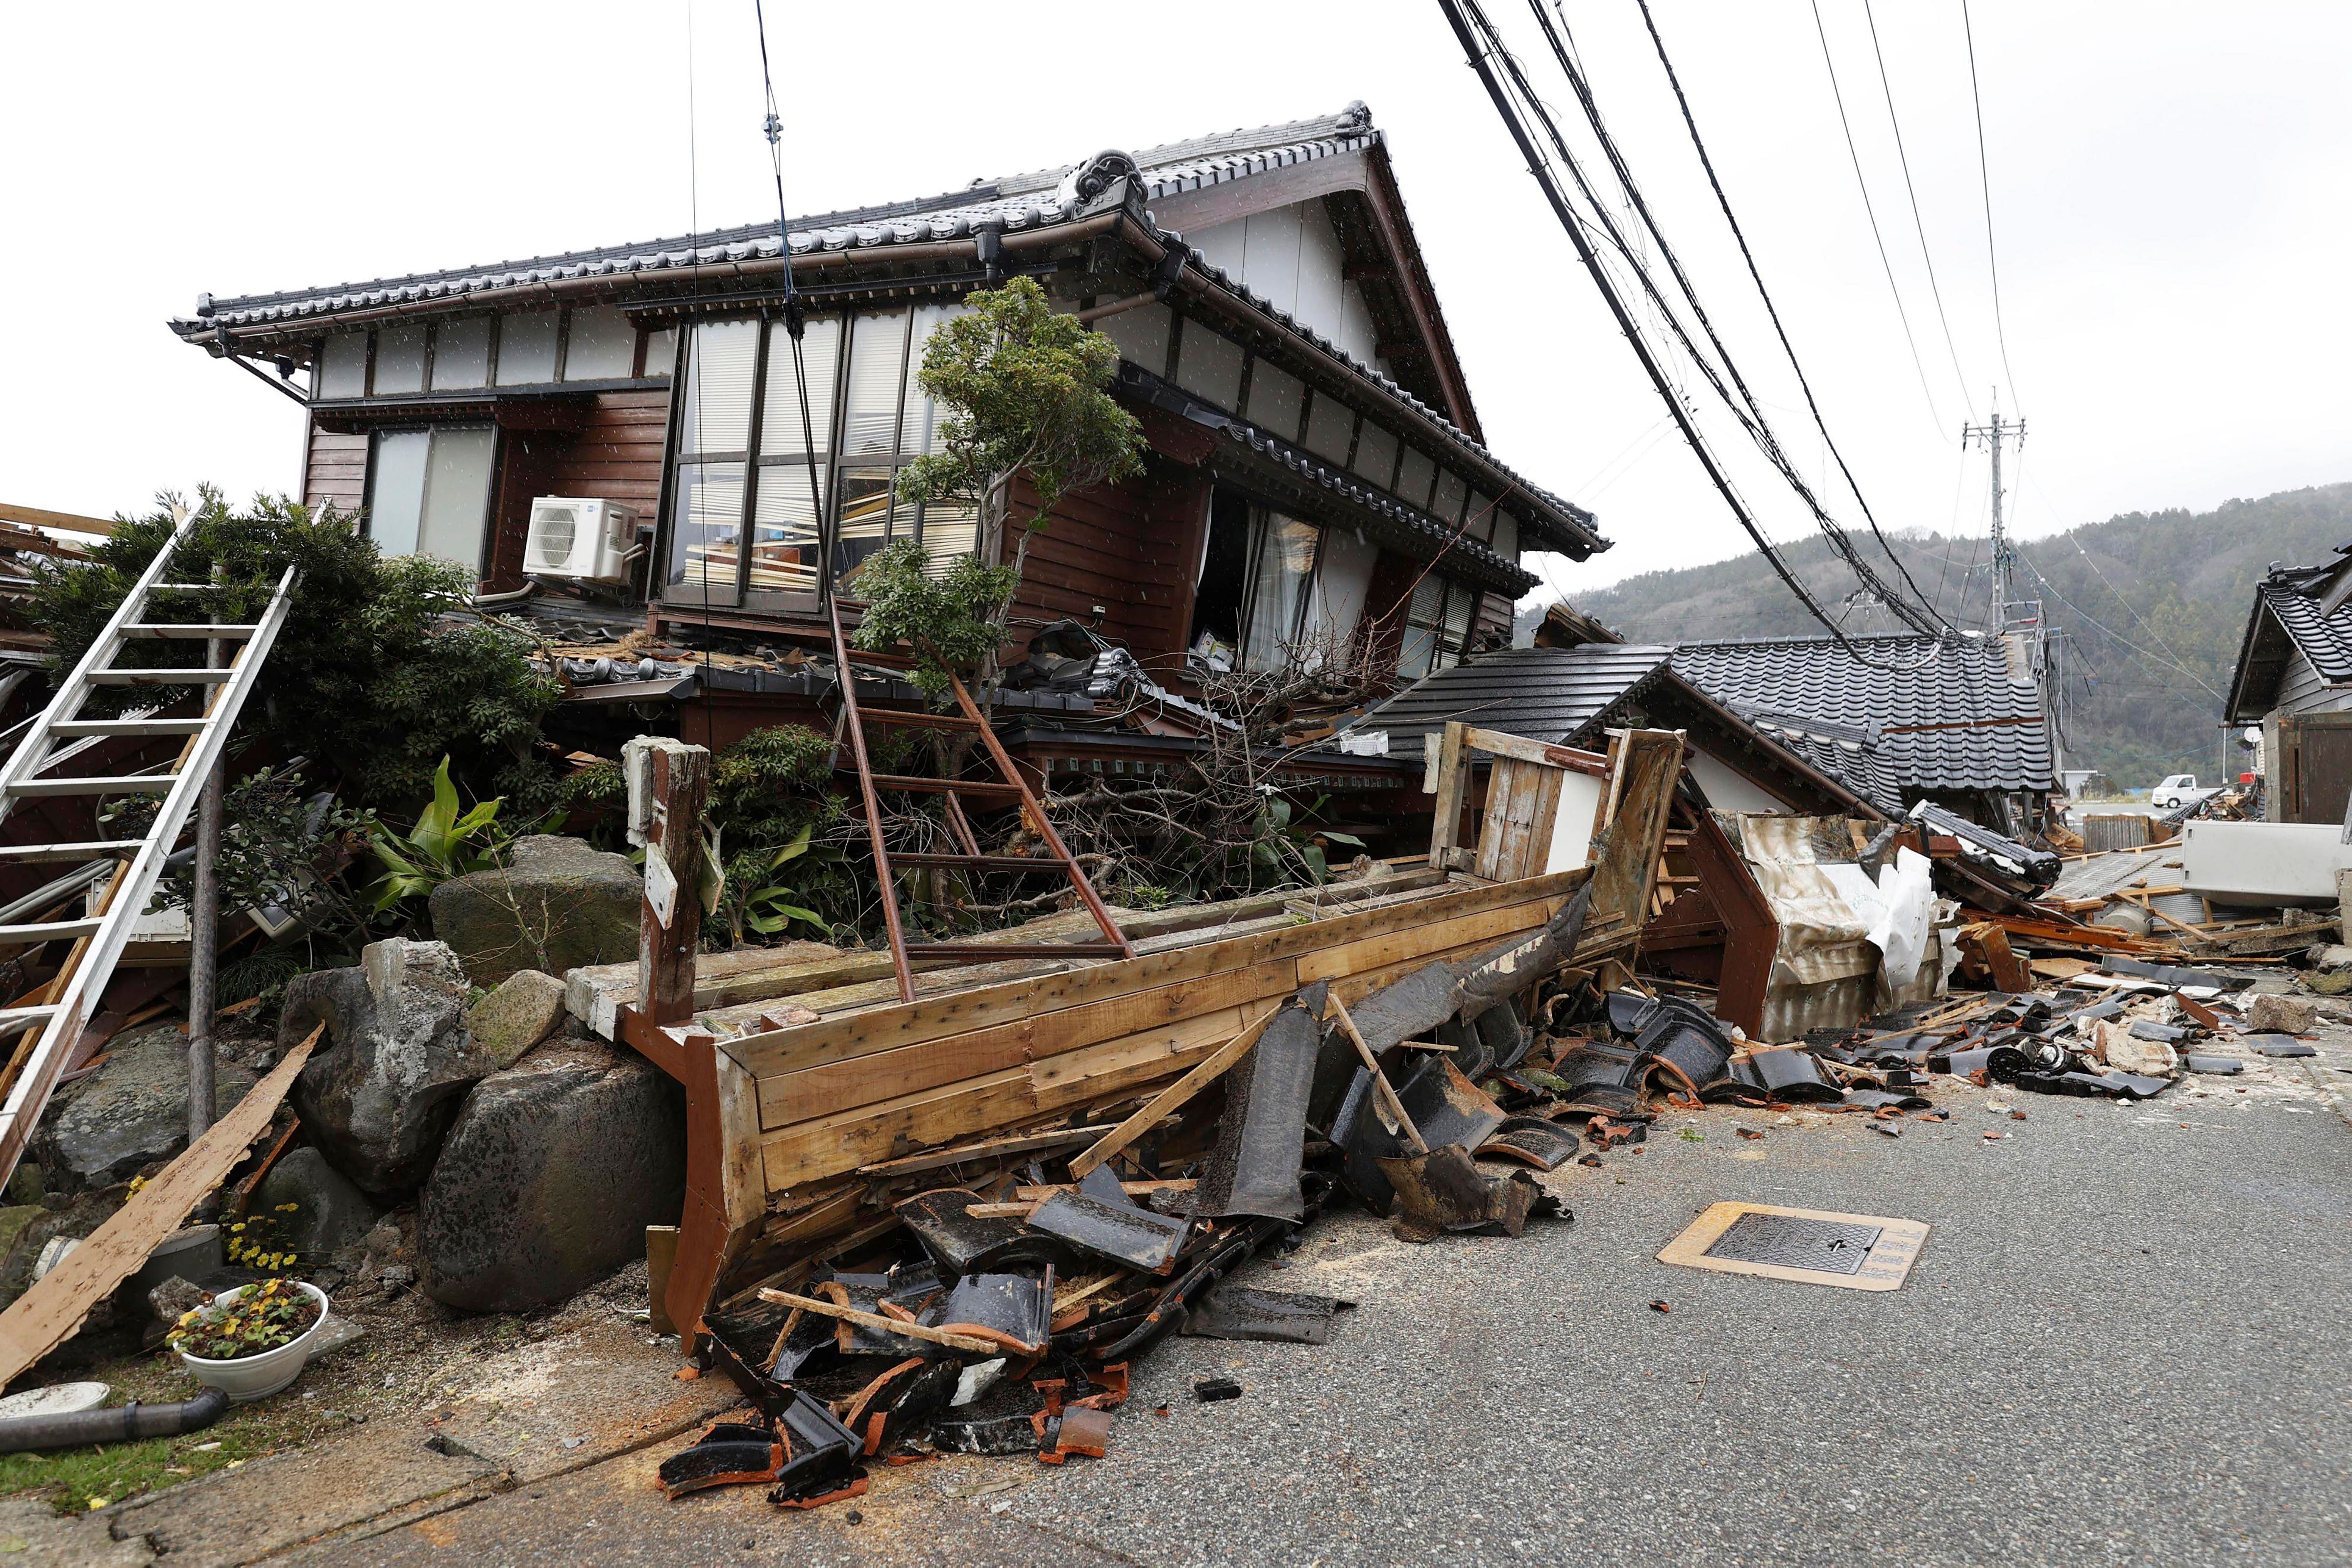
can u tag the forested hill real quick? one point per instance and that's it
(2155, 603)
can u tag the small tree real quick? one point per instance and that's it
(1027, 393)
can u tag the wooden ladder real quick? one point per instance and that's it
(955, 791)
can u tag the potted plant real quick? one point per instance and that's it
(251, 1342)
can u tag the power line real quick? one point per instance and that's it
(1480, 43)
(1984, 180)
(1744, 409)
(1755, 274)
(1887, 88)
(1863, 185)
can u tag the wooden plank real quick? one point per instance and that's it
(1087, 1075)
(888, 1027)
(1453, 781)
(44, 1316)
(848, 1139)
(993, 1148)
(1496, 743)
(73, 522)
(1401, 946)
(791, 1097)
(964, 1341)
(1397, 1111)
(1175, 1095)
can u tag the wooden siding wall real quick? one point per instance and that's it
(1130, 548)
(337, 474)
(1494, 616)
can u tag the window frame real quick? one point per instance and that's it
(430, 429)
(834, 466)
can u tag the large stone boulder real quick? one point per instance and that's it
(311, 1207)
(556, 904)
(550, 1178)
(383, 1087)
(130, 1113)
(527, 1006)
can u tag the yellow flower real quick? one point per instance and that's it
(190, 1314)
(237, 1227)
(288, 1207)
(96, 1503)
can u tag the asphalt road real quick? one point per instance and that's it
(2122, 1344)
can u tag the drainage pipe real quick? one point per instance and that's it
(132, 1421)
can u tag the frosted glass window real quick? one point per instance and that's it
(457, 495)
(661, 352)
(923, 416)
(709, 527)
(342, 366)
(1282, 561)
(1343, 578)
(527, 348)
(785, 543)
(1331, 427)
(1376, 455)
(400, 360)
(396, 489)
(1413, 476)
(1461, 603)
(878, 373)
(781, 429)
(1450, 492)
(949, 529)
(1277, 398)
(1141, 335)
(601, 345)
(461, 354)
(1481, 516)
(1506, 536)
(716, 414)
(1209, 366)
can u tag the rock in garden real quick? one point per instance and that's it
(2281, 1015)
(130, 1113)
(174, 1298)
(526, 1009)
(557, 904)
(328, 1212)
(550, 1178)
(83, 1213)
(383, 1085)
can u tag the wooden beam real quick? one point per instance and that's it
(47, 1315)
(72, 522)
(1175, 1095)
(993, 1148)
(877, 1321)
(669, 784)
(1380, 1080)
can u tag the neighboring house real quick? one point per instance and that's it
(1574, 696)
(1958, 721)
(2294, 679)
(1316, 477)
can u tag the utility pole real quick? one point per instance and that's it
(2004, 561)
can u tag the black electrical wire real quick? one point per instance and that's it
(1755, 274)
(1887, 88)
(1752, 417)
(795, 320)
(1863, 185)
(1984, 180)
(1483, 47)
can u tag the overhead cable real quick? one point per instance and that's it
(1984, 182)
(1485, 52)
(1918, 227)
(1723, 201)
(1872, 212)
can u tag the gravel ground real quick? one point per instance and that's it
(2118, 1347)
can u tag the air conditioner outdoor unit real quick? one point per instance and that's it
(573, 536)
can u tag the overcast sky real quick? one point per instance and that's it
(2172, 188)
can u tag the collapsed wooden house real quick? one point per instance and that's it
(816, 1098)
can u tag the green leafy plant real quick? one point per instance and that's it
(1026, 390)
(766, 905)
(381, 667)
(1286, 846)
(442, 844)
(273, 1313)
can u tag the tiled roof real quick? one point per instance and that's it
(2289, 618)
(1553, 694)
(1016, 203)
(2324, 638)
(1954, 715)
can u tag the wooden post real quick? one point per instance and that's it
(1449, 779)
(669, 784)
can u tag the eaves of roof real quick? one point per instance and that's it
(1465, 557)
(1017, 204)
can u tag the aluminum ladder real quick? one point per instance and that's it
(37, 1038)
(1014, 788)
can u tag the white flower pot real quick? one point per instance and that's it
(252, 1377)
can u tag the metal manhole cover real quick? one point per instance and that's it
(1822, 1246)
